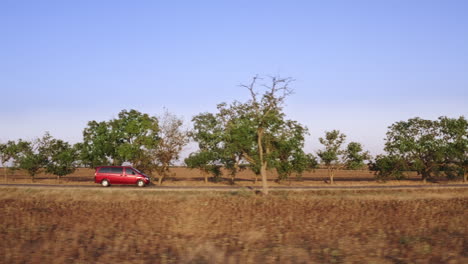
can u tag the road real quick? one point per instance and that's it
(237, 188)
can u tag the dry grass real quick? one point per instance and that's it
(41, 225)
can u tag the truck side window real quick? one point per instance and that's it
(116, 170)
(104, 170)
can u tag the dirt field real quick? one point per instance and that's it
(187, 177)
(41, 225)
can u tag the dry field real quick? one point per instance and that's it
(187, 177)
(43, 225)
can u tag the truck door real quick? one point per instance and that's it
(116, 175)
(130, 176)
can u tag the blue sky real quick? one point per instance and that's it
(359, 66)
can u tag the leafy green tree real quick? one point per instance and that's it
(61, 158)
(332, 152)
(172, 139)
(237, 136)
(128, 138)
(386, 166)
(33, 156)
(7, 153)
(265, 113)
(254, 133)
(14, 150)
(419, 142)
(208, 133)
(205, 161)
(98, 146)
(4, 158)
(455, 134)
(289, 156)
(355, 156)
(134, 134)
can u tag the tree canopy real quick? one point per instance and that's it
(429, 147)
(127, 138)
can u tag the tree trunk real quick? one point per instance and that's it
(160, 179)
(263, 163)
(465, 176)
(205, 175)
(331, 174)
(263, 171)
(233, 173)
(5, 173)
(424, 177)
(163, 174)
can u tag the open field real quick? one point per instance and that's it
(44, 225)
(187, 177)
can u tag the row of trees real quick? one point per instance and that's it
(54, 155)
(149, 143)
(253, 135)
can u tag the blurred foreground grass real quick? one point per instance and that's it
(41, 225)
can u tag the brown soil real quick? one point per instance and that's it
(192, 177)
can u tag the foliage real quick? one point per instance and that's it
(334, 157)
(429, 147)
(288, 155)
(455, 134)
(135, 133)
(207, 132)
(98, 146)
(61, 158)
(205, 162)
(32, 156)
(419, 143)
(297, 163)
(224, 135)
(332, 152)
(238, 136)
(7, 153)
(355, 156)
(332, 142)
(386, 166)
(128, 138)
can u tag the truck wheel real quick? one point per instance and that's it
(105, 183)
(140, 183)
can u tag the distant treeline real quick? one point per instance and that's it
(253, 135)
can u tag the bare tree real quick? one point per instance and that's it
(172, 138)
